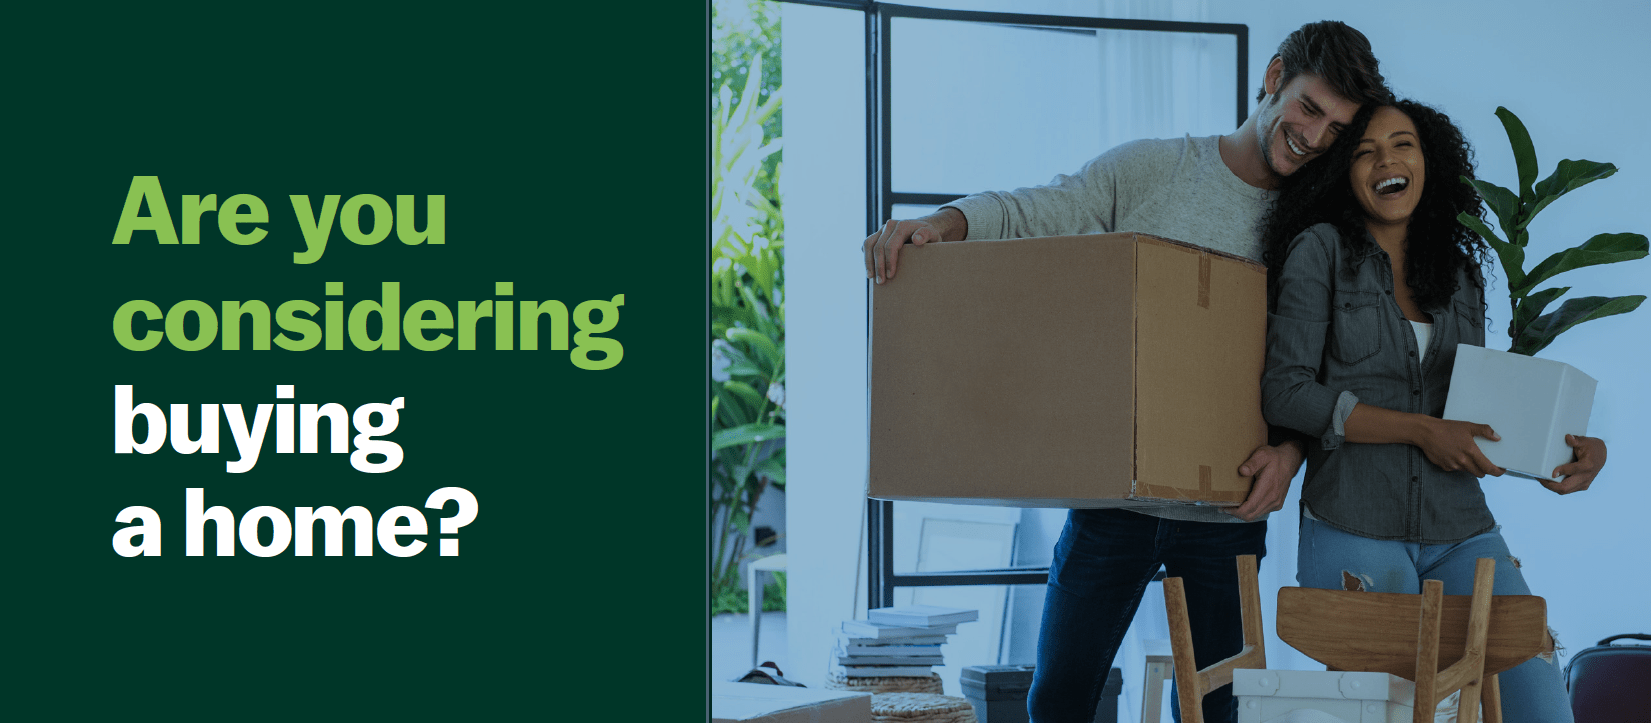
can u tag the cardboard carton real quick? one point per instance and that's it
(1072, 371)
(1531, 403)
(760, 703)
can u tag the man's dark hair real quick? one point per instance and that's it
(1337, 53)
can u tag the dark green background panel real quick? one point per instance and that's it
(569, 142)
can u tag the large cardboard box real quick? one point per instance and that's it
(760, 703)
(1072, 371)
(1532, 404)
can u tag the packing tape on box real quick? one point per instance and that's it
(1204, 280)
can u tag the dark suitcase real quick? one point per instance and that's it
(1608, 682)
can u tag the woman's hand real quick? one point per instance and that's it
(1449, 444)
(1590, 458)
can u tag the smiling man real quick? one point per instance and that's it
(1210, 191)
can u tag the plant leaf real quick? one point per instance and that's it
(745, 392)
(1503, 202)
(1531, 307)
(744, 369)
(1569, 176)
(759, 343)
(1545, 329)
(1524, 154)
(773, 469)
(1606, 248)
(746, 434)
(1511, 256)
(733, 412)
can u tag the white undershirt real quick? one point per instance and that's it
(1424, 332)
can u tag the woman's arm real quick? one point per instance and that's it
(1447, 443)
(1297, 324)
(1297, 327)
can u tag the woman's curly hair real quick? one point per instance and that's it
(1437, 246)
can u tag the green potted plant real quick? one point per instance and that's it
(1553, 399)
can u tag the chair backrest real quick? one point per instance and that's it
(1374, 631)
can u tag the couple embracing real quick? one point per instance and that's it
(1347, 195)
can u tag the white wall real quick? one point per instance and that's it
(824, 196)
(1575, 75)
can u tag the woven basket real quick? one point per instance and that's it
(925, 684)
(920, 708)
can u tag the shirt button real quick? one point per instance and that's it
(1347, 305)
(1416, 392)
(1413, 353)
(1389, 292)
(1413, 479)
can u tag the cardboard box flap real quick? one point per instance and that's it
(1201, 382)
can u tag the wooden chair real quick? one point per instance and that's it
(1461, 642)
(1192, 684)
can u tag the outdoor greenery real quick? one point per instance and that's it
(747, 287)
(1531, 330)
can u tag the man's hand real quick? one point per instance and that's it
(1589, 459)
(883, 248)
(1272, 468)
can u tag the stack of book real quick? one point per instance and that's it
(899, 641)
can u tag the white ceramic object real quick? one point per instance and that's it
(1532, 404)
(1316, 696)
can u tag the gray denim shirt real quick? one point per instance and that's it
(1336, 337)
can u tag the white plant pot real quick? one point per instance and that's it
(1531, 403)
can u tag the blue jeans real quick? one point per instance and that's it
(1533, 692)
(1102, 565)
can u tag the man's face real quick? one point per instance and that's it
(1300, 121)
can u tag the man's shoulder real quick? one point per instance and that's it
(1154, 160)
(1159, 149)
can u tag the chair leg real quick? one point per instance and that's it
(1427, 651)
(1180, 640)
(1484, 576)
(1249, 597)
(1493, 700)
(1467, 705)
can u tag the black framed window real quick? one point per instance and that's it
(941, 123)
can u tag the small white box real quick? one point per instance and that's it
(1316, 696)
(760, 703)
(1531, 403)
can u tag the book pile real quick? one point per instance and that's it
(898, 641)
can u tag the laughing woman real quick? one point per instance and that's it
(1372, 284)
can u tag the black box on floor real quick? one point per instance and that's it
(998, 693)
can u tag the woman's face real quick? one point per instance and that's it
(1388, 171)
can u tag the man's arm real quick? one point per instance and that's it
(1084, 202)
(883, 248)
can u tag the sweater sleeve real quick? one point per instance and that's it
(1084, 202)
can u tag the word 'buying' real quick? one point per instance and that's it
(249, 438)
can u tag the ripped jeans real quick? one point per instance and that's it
(1533, 692)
